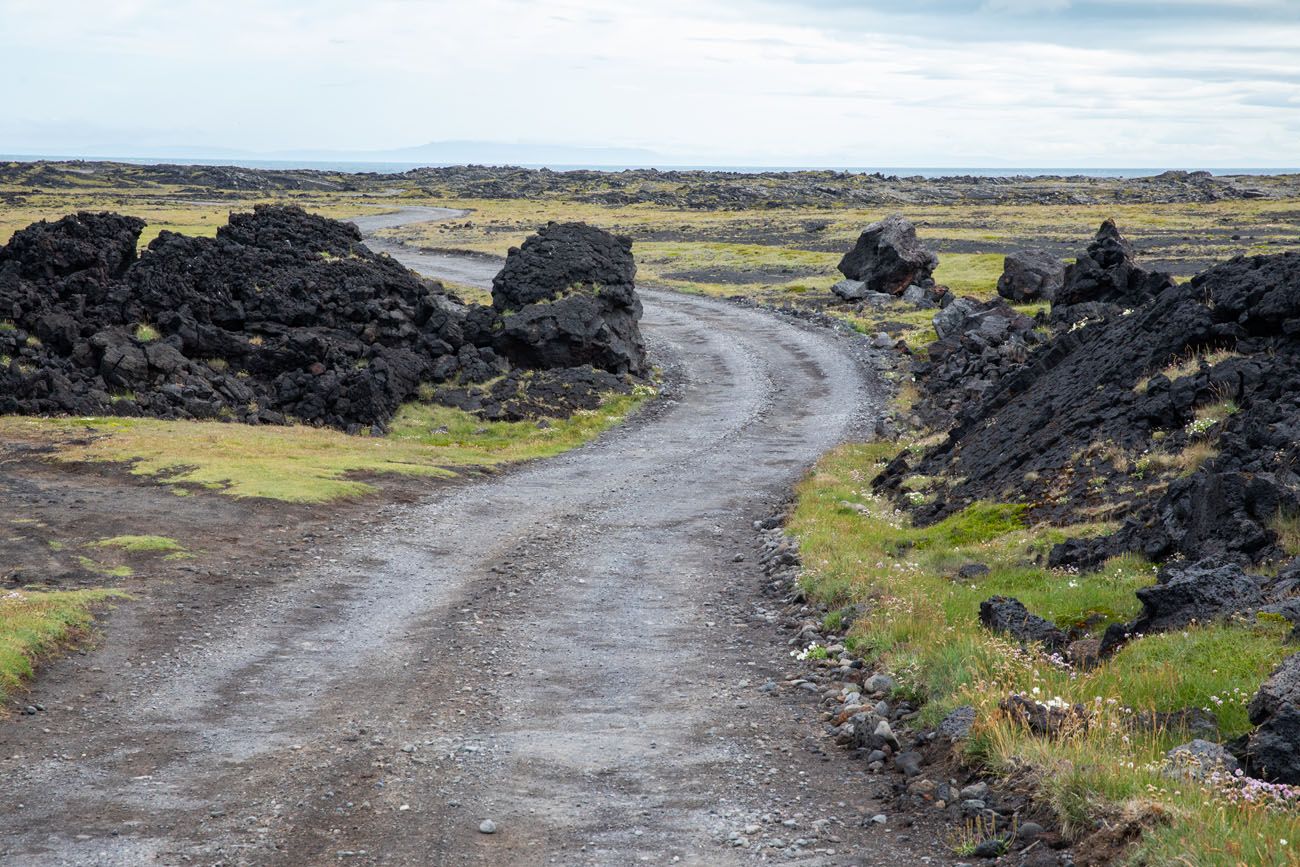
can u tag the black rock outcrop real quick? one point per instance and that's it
(286, 315)
(1273, 750)
(979, 343)
(1008, 615)
(566, 298)
(1031, 275)
(1186, 594)
(888, 258)
(282, 314)
(1105, 279)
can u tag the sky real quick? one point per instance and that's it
(1035, 83)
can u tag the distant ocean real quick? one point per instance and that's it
(900, 171)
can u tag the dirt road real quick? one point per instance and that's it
(471, 270)
(575, 650)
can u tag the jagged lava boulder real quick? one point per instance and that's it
(1008, 615)
(1031, 275)
(888, 257)
(1105, 279)
(567, 298)
(979, 343)
(1273, 749)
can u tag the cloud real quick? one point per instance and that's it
(848, 82)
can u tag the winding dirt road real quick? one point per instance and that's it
(573, 650)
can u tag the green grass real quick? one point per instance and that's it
(108, 571)
(923, 627)
(312, 465)
(970, 273)
(141, 544)
(146, 333)
(34, 624)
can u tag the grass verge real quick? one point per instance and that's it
(35, 623)
(313, 465)
(922, 625)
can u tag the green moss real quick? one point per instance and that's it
(101, 569)
(141, 544)
(306, 464)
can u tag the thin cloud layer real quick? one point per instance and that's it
(756, 82)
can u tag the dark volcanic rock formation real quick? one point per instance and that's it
(285, 315)
(1031, 275)
(1273, 750)
(979, 343)
(1199, 593)
(281, 314)
(888, 257)
(1105, 279)
(1008, 615)
(567, 298)
(1072, 427)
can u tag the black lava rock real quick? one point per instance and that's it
(1009, 616)
(1273, 750)
(1104, 279)
(567, 298)
(285, 315)
(888, 257)
(1031, 275)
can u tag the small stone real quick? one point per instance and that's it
(886, 734)
(1029, 831)
(956, 726)
(1198, 759)
(993, 847)
(879, 819)
(879, 683)
(909, 763)
(487, 826)
(976, 791)
(922, 788)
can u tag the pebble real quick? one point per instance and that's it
(975, 791)
(885, 733)
(487, 826)
(879, 819)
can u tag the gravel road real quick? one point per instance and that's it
(575, 651)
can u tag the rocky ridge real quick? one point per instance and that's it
(689, 189)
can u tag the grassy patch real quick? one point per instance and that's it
(970, 273)
(312, 465)
(142, 544)
(108, 571)
(34, 624)
(923, 626)
(1287, 527)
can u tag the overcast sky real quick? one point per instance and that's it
(1184, 83)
